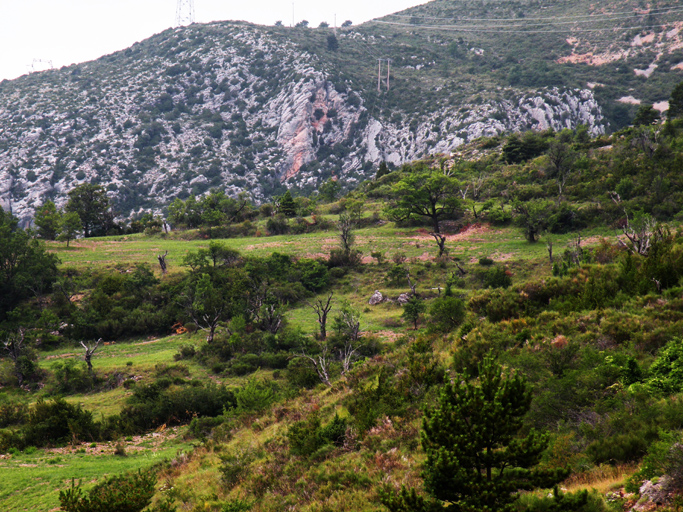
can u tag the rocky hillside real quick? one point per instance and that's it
(257, 109)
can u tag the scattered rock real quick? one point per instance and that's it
(404, 298)
(376, 298)
(653, 494)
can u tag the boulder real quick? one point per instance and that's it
(404, 298)
(376, 298)
(653, 494)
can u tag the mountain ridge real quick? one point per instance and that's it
(249, 108)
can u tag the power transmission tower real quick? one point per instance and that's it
(184, 13)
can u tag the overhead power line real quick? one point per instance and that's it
(658, 12)
(456, 28)
(522, 23)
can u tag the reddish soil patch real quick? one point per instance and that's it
(388, 336)
(146, 342)
(316, 255)
(267, 244)
(467, 233)
(61, 356)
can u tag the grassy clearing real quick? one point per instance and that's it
(32, 481)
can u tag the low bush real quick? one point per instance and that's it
(58, 422)
(130, 492)
(309, 436)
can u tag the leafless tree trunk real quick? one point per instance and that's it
(162, 262)
(461, 271)
(348, 353)
(549, 245)
(640, 233)
(441, 242)
(321, 363)
(322, 308)
(89, 351)
(410, 283)
(270, 317)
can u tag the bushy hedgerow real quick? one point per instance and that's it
(52, 423)
(162, 402)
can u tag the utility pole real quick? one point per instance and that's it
(184, 14)
(292, 14)
(379, 75)
(335, 25)
(388, 67)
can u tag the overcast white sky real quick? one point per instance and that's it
(70, 31)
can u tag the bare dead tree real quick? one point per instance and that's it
(89, 351)
(575, 250)
(549, 245)
(162, 262)
(322, 308)
(463, 192)
(441, 242)
(410, 283)
(15, 347)
(266, 310)
(348, 354)
(640, 232)
(320, 362)
(461, 271)
(271, 317)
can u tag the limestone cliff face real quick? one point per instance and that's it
(231, 106)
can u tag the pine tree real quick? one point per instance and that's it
(287, 205)
(476, 459)
(676, 102)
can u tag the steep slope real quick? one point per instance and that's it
(249, 108)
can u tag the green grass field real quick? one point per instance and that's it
(32, 481)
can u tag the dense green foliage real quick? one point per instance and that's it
(26, 269)
(122, 493)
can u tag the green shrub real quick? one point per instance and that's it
(72, 376)
(380, 397)
(497, 278)
(160, 402)
(446, 313)
(185, 352)
(308, 437)
(130, 492)
(300, 374)
(666, 372)
(255, 396)
(13, 413)
(580, 501)
(58, 422)
(618, 449)
(664, 457)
